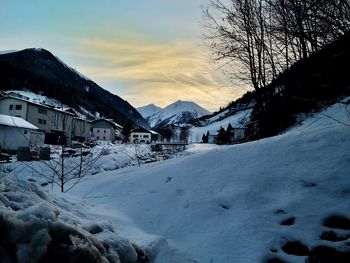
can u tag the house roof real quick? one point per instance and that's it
(141, 129)
(12, 121)
(110, 121)
(154, 132)
(37, 104)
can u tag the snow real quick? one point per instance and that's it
(42, 228)
(148, 110)
(177, 112)
(37, 98)
(12, 121)
(238, 120)
(226, 203)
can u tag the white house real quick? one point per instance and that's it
(140, 135)
(16, 132)
(104, 130)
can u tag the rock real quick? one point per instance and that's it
(296, 248)
(288, 222)
(324, 254)
(337, 221)
(332, 236)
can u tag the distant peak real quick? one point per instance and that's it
(35, 49)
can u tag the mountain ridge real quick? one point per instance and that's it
(40, 71)
(179, 112)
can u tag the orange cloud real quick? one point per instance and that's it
(159, 73)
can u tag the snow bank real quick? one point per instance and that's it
(237, 120)
(37, 228)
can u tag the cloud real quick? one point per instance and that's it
(160, 73)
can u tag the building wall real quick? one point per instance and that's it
(140, 137)
(46, 119)
(6, 103)
(49, 120)
(81, 128)
(13, 137)
(103, 134)
(103, 131)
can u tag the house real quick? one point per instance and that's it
(16, 132)
(104, 130)
(140, 135)
(57, 124)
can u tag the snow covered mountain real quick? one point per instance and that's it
(148, 110)
(178, 112)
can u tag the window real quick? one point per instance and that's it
(135, 136)
(145, 136)
(104, 131)
(25, 131)
(104, 138)
(98, 131)
(98, 137)
(18, 107)
(55, 125)
(42, 111)
(41, 121)
(54, 116)
(11, 107)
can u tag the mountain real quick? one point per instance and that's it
(41, 72)
(179, 112)
(148, 110)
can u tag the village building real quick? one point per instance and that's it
(140, 135)
(59, 126)
(16, 132)
(105, 130)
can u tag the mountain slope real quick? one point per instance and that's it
(178, 112)
(40, 71)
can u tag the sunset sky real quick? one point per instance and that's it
(145, 51)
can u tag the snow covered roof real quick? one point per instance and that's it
(141, 129)
(154, 132)
(110, 121)
(12, 121)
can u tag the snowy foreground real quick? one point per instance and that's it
(285, 197)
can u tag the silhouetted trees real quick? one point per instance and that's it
(261, 38)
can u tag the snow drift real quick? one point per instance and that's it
(36, 228)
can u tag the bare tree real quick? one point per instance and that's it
(258, 39)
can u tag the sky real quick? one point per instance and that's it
(145, 51)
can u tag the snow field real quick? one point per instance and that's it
(227, 204)
(221, 203)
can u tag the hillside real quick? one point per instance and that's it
(41, 72)
(277, 198)
(179, 112)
